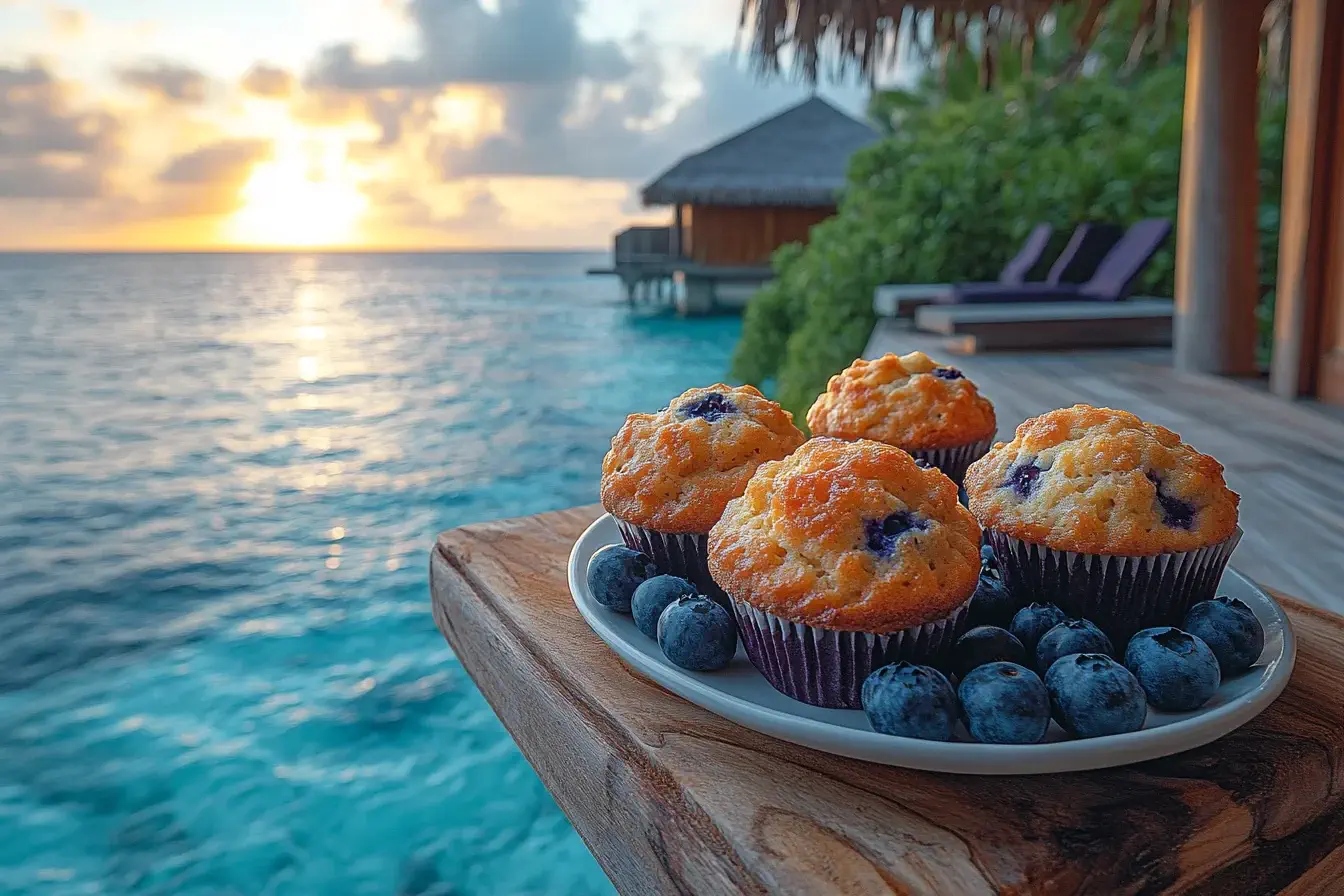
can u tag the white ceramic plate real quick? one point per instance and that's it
(741, 694)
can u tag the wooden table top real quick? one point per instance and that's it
(671, 798)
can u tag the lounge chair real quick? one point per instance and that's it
(1113, 280)
(1086, 247)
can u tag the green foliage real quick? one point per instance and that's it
(951, 196)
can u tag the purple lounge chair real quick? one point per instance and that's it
(1085, 249)
(1112, 281)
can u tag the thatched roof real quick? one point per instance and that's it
(866, 35)
(798, 157)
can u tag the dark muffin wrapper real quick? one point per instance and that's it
(956, 460)
(1121, 594)
(826, 667)
(676, 554)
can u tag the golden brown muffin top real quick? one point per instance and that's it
(848, 535)
(1099, 481)
(675, 471)
(909, 401)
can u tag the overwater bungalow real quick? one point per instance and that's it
(738, 201)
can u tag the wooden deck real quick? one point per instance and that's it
(1286, 459)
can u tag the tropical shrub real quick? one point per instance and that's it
(951, 195)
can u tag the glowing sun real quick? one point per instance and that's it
(291, 202)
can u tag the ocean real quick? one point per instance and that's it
(221, 476)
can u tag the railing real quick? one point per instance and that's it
(636, 244)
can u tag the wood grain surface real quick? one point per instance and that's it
(673, 799)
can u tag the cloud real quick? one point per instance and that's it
(227, 160)
(268, 81)
(524, 42)
(47, 148)
(169, 81)
(480, 209)
(209, 179)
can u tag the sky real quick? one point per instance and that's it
(160, 124)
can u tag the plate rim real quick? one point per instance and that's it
(956, 757)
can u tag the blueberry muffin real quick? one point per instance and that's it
(669, 475)
(910, 401)
(1111, 518)
(841, 558)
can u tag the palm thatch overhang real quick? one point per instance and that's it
(797, 158)
(841, 35)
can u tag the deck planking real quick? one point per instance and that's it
(1285, 459)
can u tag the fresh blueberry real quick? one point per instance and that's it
(1033, 621)
(614, 573)
(1231, 630)
(1094, 696)
(880, 536)
(1178, 671)
(710, 406)
(947, 373)
(989, 564)
(697, 634)
(1175, 513)
(910, 701)
(1070, 636)
(652, 597)
(992, 603)
(985, 644)
(1004, 703)
(1022, 478)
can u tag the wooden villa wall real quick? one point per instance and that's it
(740, 236)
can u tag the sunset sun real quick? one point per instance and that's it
(290, 202)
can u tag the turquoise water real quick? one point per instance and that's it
(221, 476)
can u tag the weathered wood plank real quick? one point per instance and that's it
(674, 799)
(1284, 458)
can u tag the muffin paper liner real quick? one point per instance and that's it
(826, 667)
(677, 554)
(954, 461)
(1120, 594)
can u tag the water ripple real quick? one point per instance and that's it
(219, 476)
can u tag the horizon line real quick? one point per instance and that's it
(300, 250)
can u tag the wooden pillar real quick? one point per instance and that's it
(1310, 213)
(1216, 277)
(676, 232)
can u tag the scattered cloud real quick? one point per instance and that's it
(268, 81)
(225, 160)
(169, 81)
(522, 42)
(209, 180)
(48, 149)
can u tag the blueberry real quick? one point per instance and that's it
(947, 373)
(614, 573)
(710, 406)
(697, 634)
(1004, 703)
(1092, 696)
(880, 536)
(1033, 621)
(1178, 671)
(992, 603)
(1070, 636)
(1022, 478)
(1231, 630)
(985, 644)
(910, 701)
(652, 597)
(1175, 513)
(989, 564)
